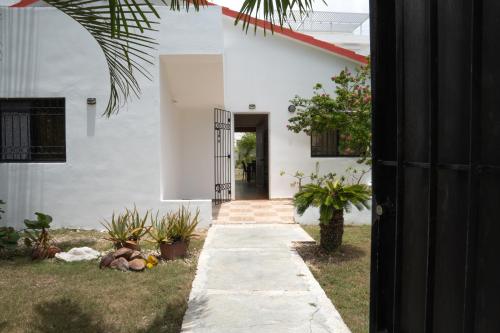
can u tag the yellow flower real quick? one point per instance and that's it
(149, 265)
(152, 260)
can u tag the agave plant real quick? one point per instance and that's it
(181, 225)
(333, 197)
(122, 29)
(136, 224)
(118, 229)
(159, 228)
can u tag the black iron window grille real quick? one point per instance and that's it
(328, 144)
(32, 130)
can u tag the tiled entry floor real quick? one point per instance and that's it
(254, 211)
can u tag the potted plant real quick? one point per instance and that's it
(137, 228)
(333, 197)
(180, 230)
(159, 229)
(118, 229)
(38, 237)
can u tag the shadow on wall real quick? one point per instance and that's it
(22, 190)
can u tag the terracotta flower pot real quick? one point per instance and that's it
(170, 251)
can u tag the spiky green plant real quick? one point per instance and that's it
(118, 229)
(159, 228)
(333, 197)
(181, 225)
(136, 224)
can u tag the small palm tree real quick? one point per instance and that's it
(333, 197)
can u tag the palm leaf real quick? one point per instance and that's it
(276, 12)
(121, 29)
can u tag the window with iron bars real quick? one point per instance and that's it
(328, 144)
(32, 130)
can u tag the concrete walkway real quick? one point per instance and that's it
(250, 279)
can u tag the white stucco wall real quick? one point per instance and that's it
(114, 167)
(154, 152)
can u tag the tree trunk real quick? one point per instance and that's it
(331, 232)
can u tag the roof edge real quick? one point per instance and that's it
(338, 50)
(335, 49)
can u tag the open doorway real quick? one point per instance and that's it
(251, 140)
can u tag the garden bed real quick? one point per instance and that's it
(54, 296)
(344, 275)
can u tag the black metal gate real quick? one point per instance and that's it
(222, 155)
(436, 172)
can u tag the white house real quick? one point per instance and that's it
(61, 157)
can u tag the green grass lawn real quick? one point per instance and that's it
(52, 296)
(344, 275)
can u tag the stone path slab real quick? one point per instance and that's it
(254, 211)
(250, 279)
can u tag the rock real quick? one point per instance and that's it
(52, 251)
(106, 260)
(124, 252)
(136, 255)
(78, 254)
(137, 265)
(120, 264)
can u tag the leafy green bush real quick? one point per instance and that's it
(38, 237)
(8, 239)
(333, 197)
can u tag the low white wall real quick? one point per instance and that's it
(204, 206)
(355, 217)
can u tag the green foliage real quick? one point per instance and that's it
(181, 225)
(246, 148)
(277, 12)
(122, 29)
(126, 228)
(332, 195)
(349, 111)
(8, 238)
(37, 235)
(118, 229)
(159, 228)
(136, 224)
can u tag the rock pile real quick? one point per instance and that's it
(124, 259)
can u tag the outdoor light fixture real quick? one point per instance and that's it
(251, 106)
(291, 108)
(91, 101)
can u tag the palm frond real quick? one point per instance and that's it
(122, 30)
(276, 12)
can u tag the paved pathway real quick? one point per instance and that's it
(250, 279)
(254, 211)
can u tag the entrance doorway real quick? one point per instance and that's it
(251, 156)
